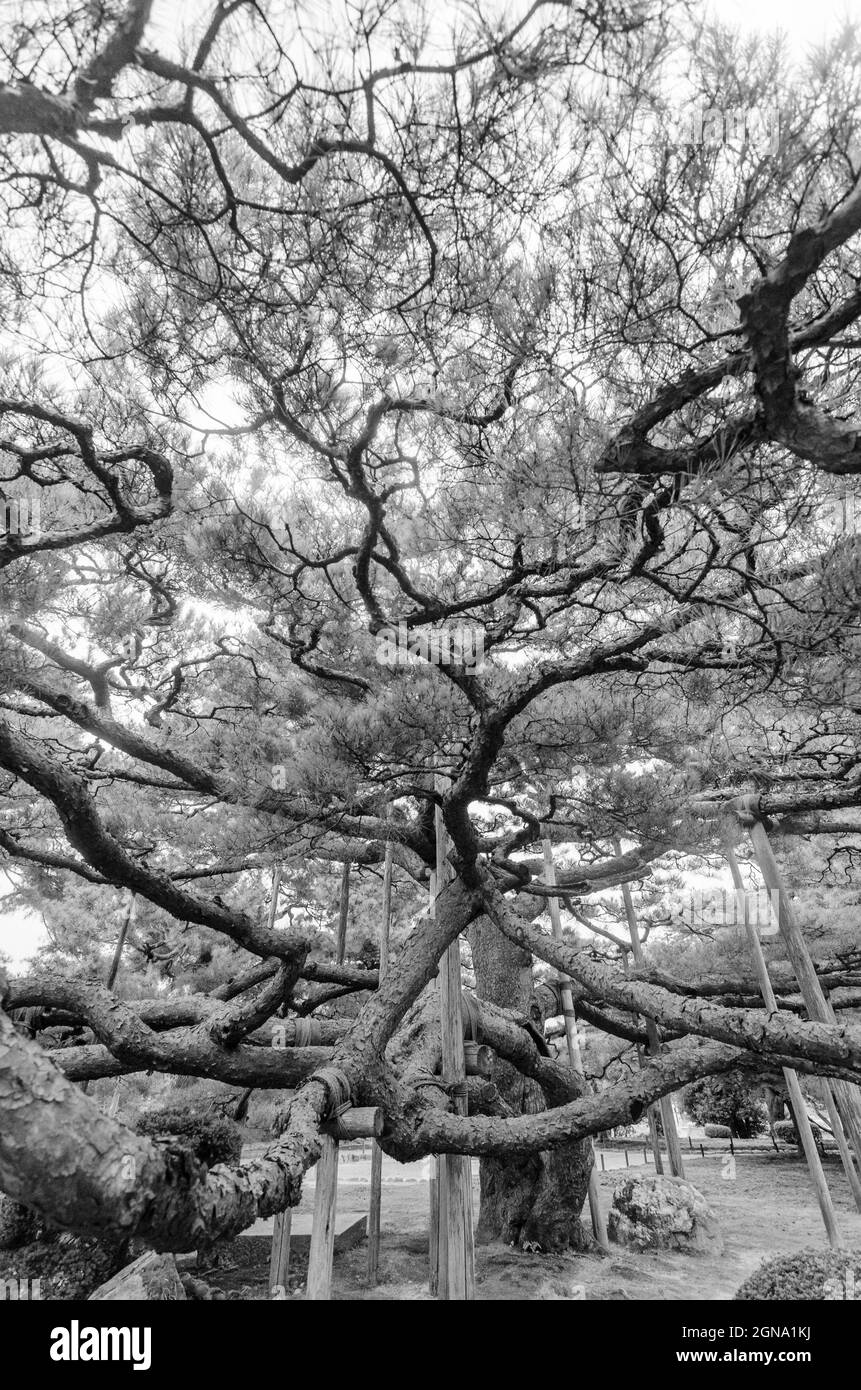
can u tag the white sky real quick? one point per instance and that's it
(806, 25)
(805, 22)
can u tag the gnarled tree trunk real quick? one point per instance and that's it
(536, 1199)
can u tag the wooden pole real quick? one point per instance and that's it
(121, 941)
(456, 1241)
(599, 1225)
(279, 1259)
(117, 957)
(376, 1151)
(814, 1163)
(433, 1236)
(654, 1133)
(319, 1287)
(341, 944)
(823, 1086)
(654, 1136)
(671, 1133)
(279, 1256)
(819, 1009)
(356, 1122)
(434, 1180)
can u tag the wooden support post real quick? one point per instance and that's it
(358, 1122)
(117, 957)
(668, 1118)
(374, 1215)
(121, 941)
(279, 1255)
(824, 1088)
(654, 1132)
(319, 1287)
(341, 943)
(279, 1260)
(456, 1240)
(433, 1182)
(814, 1163)
(599, 1225)
(433, 1239)
(478, 1060)
(376, 1151)
(847, 1098)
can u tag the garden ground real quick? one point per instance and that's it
(766, 1209)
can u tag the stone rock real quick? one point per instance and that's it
(650, 1212)
(152, 1277)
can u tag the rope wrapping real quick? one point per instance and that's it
(338, 1089)
(747, 809)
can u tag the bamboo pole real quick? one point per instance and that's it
(599, 1225)
(456, 1241)
(671, 1133)
(344, 910)
(376, 1151)
(319, 1287)
(814, 1163)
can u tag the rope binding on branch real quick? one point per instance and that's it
(338, 1089)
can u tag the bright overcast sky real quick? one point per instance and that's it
(806, 24)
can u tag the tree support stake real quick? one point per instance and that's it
(845, 1098)
(455, 1240)
(668, 1118)
(599, 1225)
(793, 1086)
(376, 1152)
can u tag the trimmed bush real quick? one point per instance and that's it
(718, 1132)
(210, 1138)
(822, 1275)
(785, 1130)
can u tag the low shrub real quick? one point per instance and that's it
(815, 1274)
(18, 1225)
(785, 1130)
(66, 1266)
(210, 1138)
(718, 1132)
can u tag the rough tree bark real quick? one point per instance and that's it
(533, 1199)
